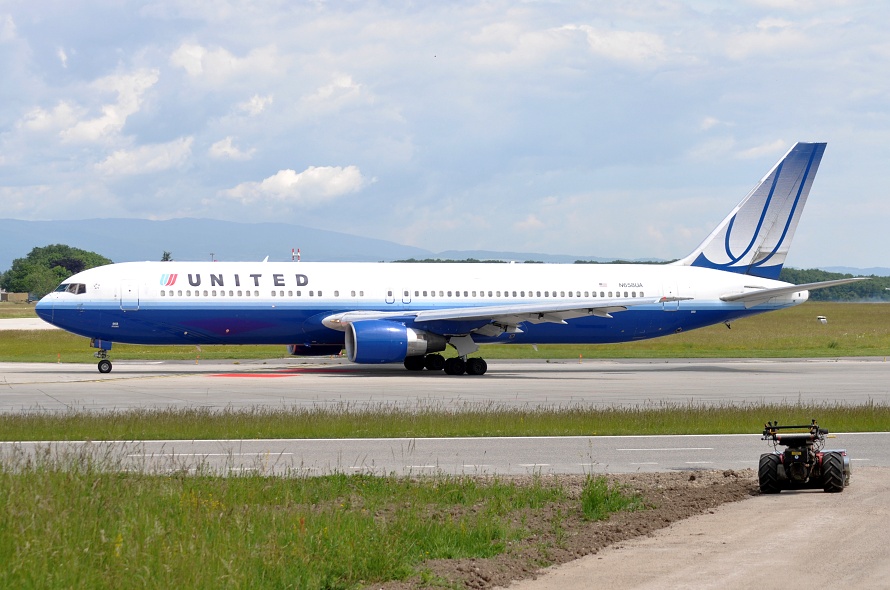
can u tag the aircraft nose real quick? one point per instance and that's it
(44, 308)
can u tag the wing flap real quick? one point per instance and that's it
(510, 315)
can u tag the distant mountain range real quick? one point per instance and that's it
(124, 240)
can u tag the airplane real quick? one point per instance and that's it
(410, 312)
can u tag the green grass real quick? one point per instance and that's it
(16, 310)
(73, 522)
(853, 329)
(425, 421)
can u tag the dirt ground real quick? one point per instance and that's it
(670, 497)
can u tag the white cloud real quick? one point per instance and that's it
(313, 186)
(63, 57)
(148, 158)
(629, 46)
(218, 65)
(63, 116)
(341, 91)
(7, 28)
(129, 89)
(529, 223)
(224, 149)
(255, 105)
(773, 147)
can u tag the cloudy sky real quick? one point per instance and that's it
(618, 129)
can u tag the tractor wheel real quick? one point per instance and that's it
(832, 472)
(768, 474)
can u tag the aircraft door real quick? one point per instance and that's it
(129, 295)
(670, 290)
(406, 296)
(390, 296)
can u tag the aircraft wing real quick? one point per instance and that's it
(509, 315)
(760, 295)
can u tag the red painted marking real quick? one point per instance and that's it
(288, 373)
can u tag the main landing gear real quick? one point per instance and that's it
(452, 366)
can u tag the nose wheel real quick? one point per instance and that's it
(102, 354)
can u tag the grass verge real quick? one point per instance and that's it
(76, 522)
(433, 420)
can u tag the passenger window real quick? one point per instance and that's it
(179, 293)
(205, 293)
(633, 293)
(289, 293)
(336, 293)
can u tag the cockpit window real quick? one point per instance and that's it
(73, 288)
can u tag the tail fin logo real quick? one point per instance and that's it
(168, 280)
(754, 239)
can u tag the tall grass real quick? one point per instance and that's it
(433, 420)
(72, 521)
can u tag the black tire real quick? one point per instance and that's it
(105, 366)
(455, 366)
(768, 474)
(414, 363)
(832, 472)
(476, 366)
(434, 362)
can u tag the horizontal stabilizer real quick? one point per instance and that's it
(752, 298)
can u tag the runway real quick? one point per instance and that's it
(449, 456)
(333, 382)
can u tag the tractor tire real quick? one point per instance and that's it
(832, 472)
(768, 474)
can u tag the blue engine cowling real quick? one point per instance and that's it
(384, 341)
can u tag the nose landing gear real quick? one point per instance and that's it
(102, 354)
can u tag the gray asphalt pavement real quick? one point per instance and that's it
(335, 381)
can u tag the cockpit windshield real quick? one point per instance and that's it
(73, 288)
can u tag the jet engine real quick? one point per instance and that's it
(384, 341)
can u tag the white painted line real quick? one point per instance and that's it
(420, 466)
(175, 454)
(851, 459)
(699, 462)
(672, 449)
(651, 463)
(533, 464)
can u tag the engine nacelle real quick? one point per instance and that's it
(384, 341)
(314, 349)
